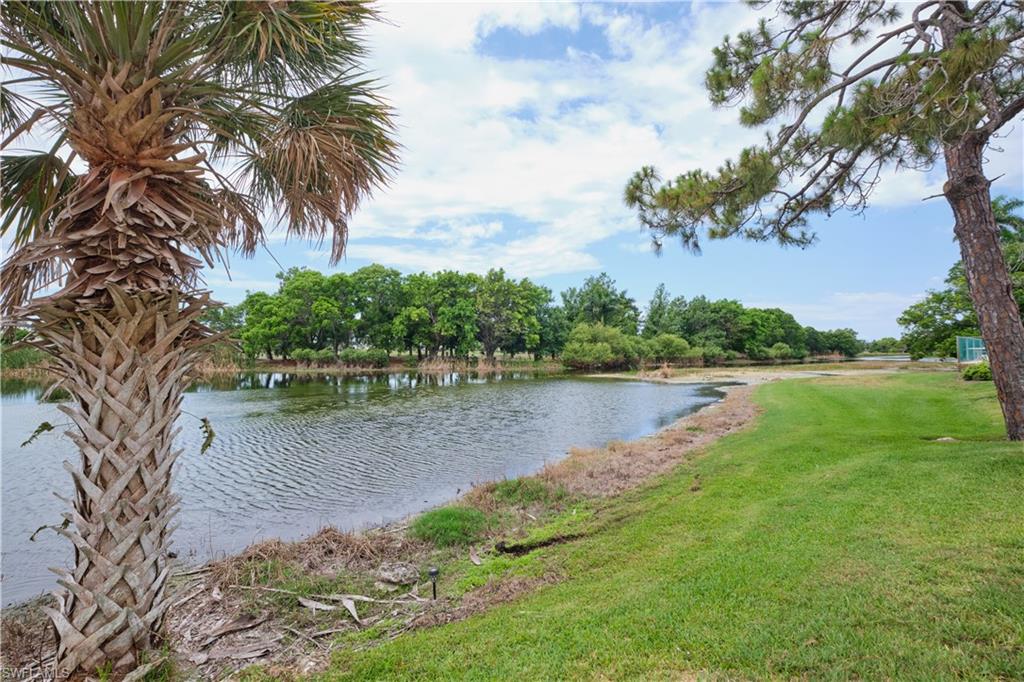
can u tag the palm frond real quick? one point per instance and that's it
(242, 229)
(327, 151)
(33, 185)
(287, 43)
(1010, 223)
(13, 111)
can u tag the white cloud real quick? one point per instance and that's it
(549, 144)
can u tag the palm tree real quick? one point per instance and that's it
(173, 128)
(1009, 222)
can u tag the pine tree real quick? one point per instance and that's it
(894, 86)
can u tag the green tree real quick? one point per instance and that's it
(553, 329)
(664, 314)
(762, 328)
(1008, 220)
(224, 318)
(320, 309)
(842, 341)
(174, 127)
(598, 301)
(718, 324)
(440, 313)
(506, 314)
(932, 324)
(668, 348)
(886, 344)
(597, 346)
(380, 296)
(892, 84)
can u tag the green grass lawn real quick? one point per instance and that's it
(834, 540)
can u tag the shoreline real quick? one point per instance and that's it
(211, 596)
(585, 480)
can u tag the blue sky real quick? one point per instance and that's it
(521, 124)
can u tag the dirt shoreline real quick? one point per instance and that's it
(227, 615)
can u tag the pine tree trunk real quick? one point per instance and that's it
(967, 191)
(125, 365)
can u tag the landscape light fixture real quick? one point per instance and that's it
(433, 580)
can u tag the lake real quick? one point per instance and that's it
(294, 453)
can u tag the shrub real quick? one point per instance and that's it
(780, 351)
(587, 355)
(756, 352)
(324, 356)
(304, 355)
(713, 355)
(977, 372)
(599, 347)
(357, 357)
(669, 348)
(377, 357)
(449, 526)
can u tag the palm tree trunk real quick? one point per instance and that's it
(988, 278)
(125, 365)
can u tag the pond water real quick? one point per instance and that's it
(296, 452)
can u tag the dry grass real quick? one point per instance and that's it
(325, 552)
(619, 466)
(27, 636)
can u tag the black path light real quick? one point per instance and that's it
(433, 580)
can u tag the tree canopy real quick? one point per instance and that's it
(887, 90)
(452, 314)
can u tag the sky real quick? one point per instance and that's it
(520, 125)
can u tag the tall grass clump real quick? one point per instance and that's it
(13, 356)
(450, 526)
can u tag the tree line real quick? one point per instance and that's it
(360, 317)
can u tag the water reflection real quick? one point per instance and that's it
(294, 452)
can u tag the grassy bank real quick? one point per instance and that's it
(837, 539)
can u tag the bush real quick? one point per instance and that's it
(713, 355)
(756, 352)
(599, 347)
(372, 357)
(305, 355)
(449, 526)
(324, 356)
(977, 372)
(780, 351)
(669, 348)
(378, 357)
